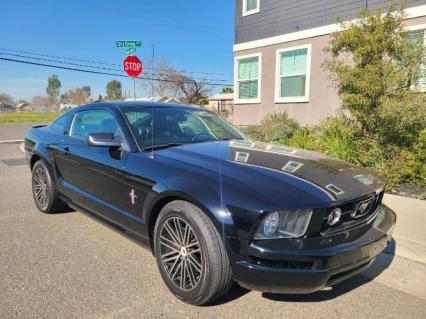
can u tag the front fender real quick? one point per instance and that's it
(196, 192)
(199, 193)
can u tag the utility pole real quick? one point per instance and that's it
(134, 89)
(152, 69)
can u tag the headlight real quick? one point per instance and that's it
(284, 224)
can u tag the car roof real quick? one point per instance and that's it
(130, 104)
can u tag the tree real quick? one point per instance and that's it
(375, 65)
(164, 88)
(190, 90)
(6, 99)
(77, 96)
(40, 103)
(228, 90)
(178, 84)
(53, 88)
(87, 90)
(113, 90)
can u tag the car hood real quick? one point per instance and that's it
(243, 160)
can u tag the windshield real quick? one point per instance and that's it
(163, 126)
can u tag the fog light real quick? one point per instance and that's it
(334, 217)
(270, 224)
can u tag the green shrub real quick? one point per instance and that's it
(252, 132)
(277, 127)
(339, 137)
(400, 121)
(416, 161)
(342, 137)
(304, 138)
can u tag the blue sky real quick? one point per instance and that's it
(191, 35)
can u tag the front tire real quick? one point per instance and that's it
(44, 192)
(190, 254)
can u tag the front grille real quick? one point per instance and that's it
(351, 216)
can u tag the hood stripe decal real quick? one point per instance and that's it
(294, 176)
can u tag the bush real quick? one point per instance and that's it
(277, 127)
(416, 161)
(401, 121)
(304, 138)
(340, 137)
(252, 132)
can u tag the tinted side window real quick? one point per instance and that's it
(94, 121)
(61, 124)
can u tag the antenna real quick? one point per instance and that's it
(151, 156)
(152, 105)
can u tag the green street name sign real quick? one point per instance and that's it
(130, 50)
(128, 44)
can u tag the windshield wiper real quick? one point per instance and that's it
(161, 146)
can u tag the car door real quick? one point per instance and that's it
(95, 177)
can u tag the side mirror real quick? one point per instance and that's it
(103, 140)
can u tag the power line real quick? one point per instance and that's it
(96, 62)
(103, 73)
(93, 67)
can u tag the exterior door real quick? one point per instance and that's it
(95, 177)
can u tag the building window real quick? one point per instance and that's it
(293, 74)
(419, 37)
(250, 7)
(248, 76)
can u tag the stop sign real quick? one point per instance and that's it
(132, 66)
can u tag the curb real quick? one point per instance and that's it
(11, 141)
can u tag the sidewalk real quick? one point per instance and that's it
(410, 232)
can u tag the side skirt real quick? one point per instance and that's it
(127, 232)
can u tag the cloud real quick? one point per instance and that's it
(23, 88)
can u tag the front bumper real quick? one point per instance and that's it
(277, 270)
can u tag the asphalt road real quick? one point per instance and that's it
(70, 265)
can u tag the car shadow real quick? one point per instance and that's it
(234, 293)
(379, 265)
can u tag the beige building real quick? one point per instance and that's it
(222, 103)
(279, 52)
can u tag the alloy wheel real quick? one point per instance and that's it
(40, 187)
(181, 253)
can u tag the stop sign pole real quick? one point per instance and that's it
(133, 67)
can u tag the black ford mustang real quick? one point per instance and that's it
(213, 206)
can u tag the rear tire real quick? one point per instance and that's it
(190, 254)
(45, 195)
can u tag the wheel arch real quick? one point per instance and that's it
(39, 152)
(34, 159)
(169, 196)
